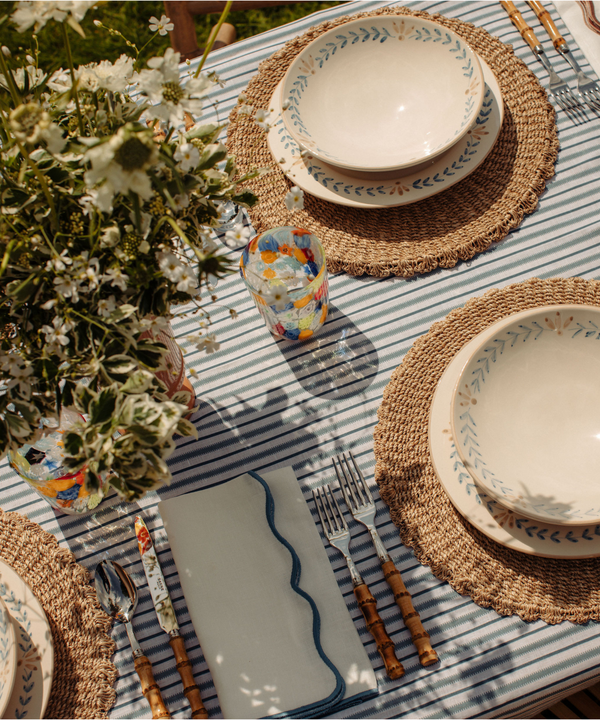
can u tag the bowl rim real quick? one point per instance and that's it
(478, 73)
(501, 326)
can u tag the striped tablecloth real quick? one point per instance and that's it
(265, 404)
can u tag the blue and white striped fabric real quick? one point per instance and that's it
(266, 404)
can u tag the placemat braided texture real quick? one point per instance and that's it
(453, 225)
(82, 685)
(494, 576)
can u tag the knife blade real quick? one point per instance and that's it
(167, 617)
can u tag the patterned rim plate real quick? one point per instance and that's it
(330, 183)
(35, 651)
(382, 93)
(8, 657)
(512, 529)
(525, 414)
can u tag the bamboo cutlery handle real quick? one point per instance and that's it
(519, 22)
(544, 17)
(149, 687)
(184, 668)
(412, 619)
(385, 645)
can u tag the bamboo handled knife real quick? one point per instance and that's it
(167, 617)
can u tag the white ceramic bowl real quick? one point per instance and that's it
(382, 93)
(525, 414)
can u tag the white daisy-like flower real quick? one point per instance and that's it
(294, 200)
(39, 12)
(59, 262)
(68, 287)
(245, 110)
(260, 118)
(106, 306)
(188, 282)
(208, 343)
(286, 103)
(110, 236)
(164, 25)
(171, 100)
(187, 156)
(114, 77)
(56, 334)
(170, 266)
(237, 236)
(181, 201)
(154, 324)
(116, 277)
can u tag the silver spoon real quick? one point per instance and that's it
(117, 594)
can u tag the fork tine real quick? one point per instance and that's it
(361, 477)
(321, 510)
(342, 484)
(341, 524)
(347, 485)
(354, 483)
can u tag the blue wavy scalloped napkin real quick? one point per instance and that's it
(263, 599)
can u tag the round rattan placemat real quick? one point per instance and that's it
(494, 576)
(82, 684)
(437, 232)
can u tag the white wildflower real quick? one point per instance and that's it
(164, 25)
(39, 12)
(286, 103)
(5, 51)
(110, 236)
(154, 324)
(245, 110)
(261, 119)
(56, 335)
(116, 277)
(170, 265)
(181, 201)
(114, 77)
(294, 200)
(107, 306)
(237, 236)
(67, 287)
(59, 262)
(208, 343)
(170, 100)
(188, 282)
(187, 156)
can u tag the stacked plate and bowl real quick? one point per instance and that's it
(380, 106)
(514, 431)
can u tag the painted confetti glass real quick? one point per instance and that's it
(285, 271)
(40, 465)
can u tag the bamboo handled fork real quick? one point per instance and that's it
(360, 502)
(337, 533)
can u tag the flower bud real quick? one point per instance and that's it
(5, 51)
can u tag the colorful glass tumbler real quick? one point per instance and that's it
(285, 272)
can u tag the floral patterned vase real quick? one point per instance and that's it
(285, 272)
(40, 465)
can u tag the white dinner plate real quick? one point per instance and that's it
(507, 527)
(379, 191)
(8, 657)
(382, 93)
(35, 651)
(525, 415)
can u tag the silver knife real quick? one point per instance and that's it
(167, 617)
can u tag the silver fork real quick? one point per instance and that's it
(588, 89)
(360, 502)
(337, 533)
(558, 88)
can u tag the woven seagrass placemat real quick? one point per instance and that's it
(437, 232)
(82, 684)
(494, 576)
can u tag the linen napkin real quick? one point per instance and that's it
(583, 32)
(273, 650)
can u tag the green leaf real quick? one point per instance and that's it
(186, 428)
(149, 355)
(84, 397)
(103, 408)
(211, 155)
(73, 443)
(246, 198)
(207, 133)
(119, 365)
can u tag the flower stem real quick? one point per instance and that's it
(72, 69)
(12, 85)
(213, 37)
(42, 181)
